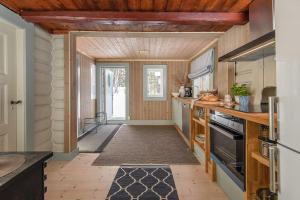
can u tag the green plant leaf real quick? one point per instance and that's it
(240, 90)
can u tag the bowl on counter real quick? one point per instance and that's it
(264, 146)
(175, 94)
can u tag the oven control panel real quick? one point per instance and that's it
(228, 121)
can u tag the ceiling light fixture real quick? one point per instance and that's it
(143, 52)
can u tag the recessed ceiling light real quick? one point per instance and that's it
(143, 52)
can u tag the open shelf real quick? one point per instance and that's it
(201, 144)
(260, 158)
(199, 121)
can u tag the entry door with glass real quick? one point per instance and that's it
(114, 91)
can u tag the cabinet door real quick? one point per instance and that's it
(179, 115)
(174, 106)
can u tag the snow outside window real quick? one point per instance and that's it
(155, 82)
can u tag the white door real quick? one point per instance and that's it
(288, 90)
(8, 88)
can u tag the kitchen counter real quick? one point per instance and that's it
(186, 100)
(31, 160)
(253, 115)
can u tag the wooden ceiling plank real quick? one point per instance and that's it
(68, 5)
(160, 5)
(241, 5)
(209, 18)
(147, 5)
(134, 5)
(10, 5)
(173, 5)
(227, 5)
(188, 5)
(120, 5)
(201, 5)
(106, 5)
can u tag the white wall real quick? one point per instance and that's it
(42, 91)
(58, 94)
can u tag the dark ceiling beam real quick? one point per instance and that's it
(193, 18)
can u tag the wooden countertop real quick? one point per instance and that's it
(260, 118)
(187, 100)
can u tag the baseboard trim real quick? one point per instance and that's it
(65, 156)
(149, 122)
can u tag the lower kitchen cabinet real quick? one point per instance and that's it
(177, 112)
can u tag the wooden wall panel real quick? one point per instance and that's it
(86, 103)
(152, 110)
(42, 140)
(232, 39)
(58, 96)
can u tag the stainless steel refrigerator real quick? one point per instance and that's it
(285, 151)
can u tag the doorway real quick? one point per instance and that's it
(113, 90)
(12, 88)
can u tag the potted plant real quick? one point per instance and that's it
(241, 93)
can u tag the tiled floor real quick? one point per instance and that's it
(79, 180)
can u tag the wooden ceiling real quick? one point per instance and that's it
(145, 46)
(144, 15)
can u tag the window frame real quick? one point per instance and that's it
(145, 82)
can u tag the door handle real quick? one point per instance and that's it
(272, 130)
(15, 102)
(273, 168)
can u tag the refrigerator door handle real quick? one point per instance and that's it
(272, 130)
(273, 169)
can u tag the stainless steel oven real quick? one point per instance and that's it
(228, 145)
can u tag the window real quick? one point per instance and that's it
(93, 82)
(155, 82)
(201, 84)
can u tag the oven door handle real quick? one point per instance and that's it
(225, 133)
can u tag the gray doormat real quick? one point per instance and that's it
(143, 183)
(96, 140)
(146, 145)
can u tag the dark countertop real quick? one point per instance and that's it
(31, 159)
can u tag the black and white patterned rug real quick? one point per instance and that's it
(143, 183)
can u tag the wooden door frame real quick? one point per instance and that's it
(70, 93)
(21, 89)
(70, 75)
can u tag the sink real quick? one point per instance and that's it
(10, 162)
